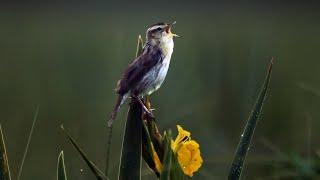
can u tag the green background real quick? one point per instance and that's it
(68, 56)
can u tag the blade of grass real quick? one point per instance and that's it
(177, 172)
(61, 168)
(96, 171)
(246, 136)
(147, 153)
(130, 160)
(155, 135)
(139, 46)
(109, 137)
(171, 168)
(167, 158)
(4, 164)
(28, 142)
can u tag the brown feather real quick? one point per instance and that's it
(139, 68)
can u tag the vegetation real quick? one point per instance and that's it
(167, 157)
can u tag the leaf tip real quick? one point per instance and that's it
(271, 63)
(61, 154)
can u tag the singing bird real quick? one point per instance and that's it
(147, 72)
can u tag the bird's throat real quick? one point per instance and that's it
(167, 47)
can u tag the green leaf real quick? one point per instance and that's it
(4, 164)
(155, 137)
(245, 140)
(176, 172)
(61, 169)
(147, 152)
(168, 155)
(130, 165)
(139, 46)
(171, 168)
(96, 171)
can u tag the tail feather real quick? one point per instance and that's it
(120, 101)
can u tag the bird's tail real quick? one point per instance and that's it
(120, 100)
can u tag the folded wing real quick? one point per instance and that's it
(144, 63)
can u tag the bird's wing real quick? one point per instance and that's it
(138, 68)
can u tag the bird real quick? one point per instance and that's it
(146, 73)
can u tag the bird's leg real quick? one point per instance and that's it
(143, 106)
(148, 103)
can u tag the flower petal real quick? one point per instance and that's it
(187, 152)
(156, 160)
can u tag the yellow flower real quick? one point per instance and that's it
(156, 160)
(183, 136)
(187, 151)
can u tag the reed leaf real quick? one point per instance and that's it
(4, 164)
(176, 171)
(130, 161)
(28, 142)
(246, 136)
(155, 137)
(61, 169)
(95, 170)
(154, 133)
(139, 46)
(147, 152)
(168, 156)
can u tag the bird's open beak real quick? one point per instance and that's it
(169, 29)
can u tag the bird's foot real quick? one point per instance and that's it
(149, 114)
(145, 109)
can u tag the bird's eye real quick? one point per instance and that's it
(159, 28)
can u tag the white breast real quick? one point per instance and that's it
(155, 77)
(161, 70)
(168, 49)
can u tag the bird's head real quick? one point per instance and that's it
(160, 32)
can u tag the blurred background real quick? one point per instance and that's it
(67, 56)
